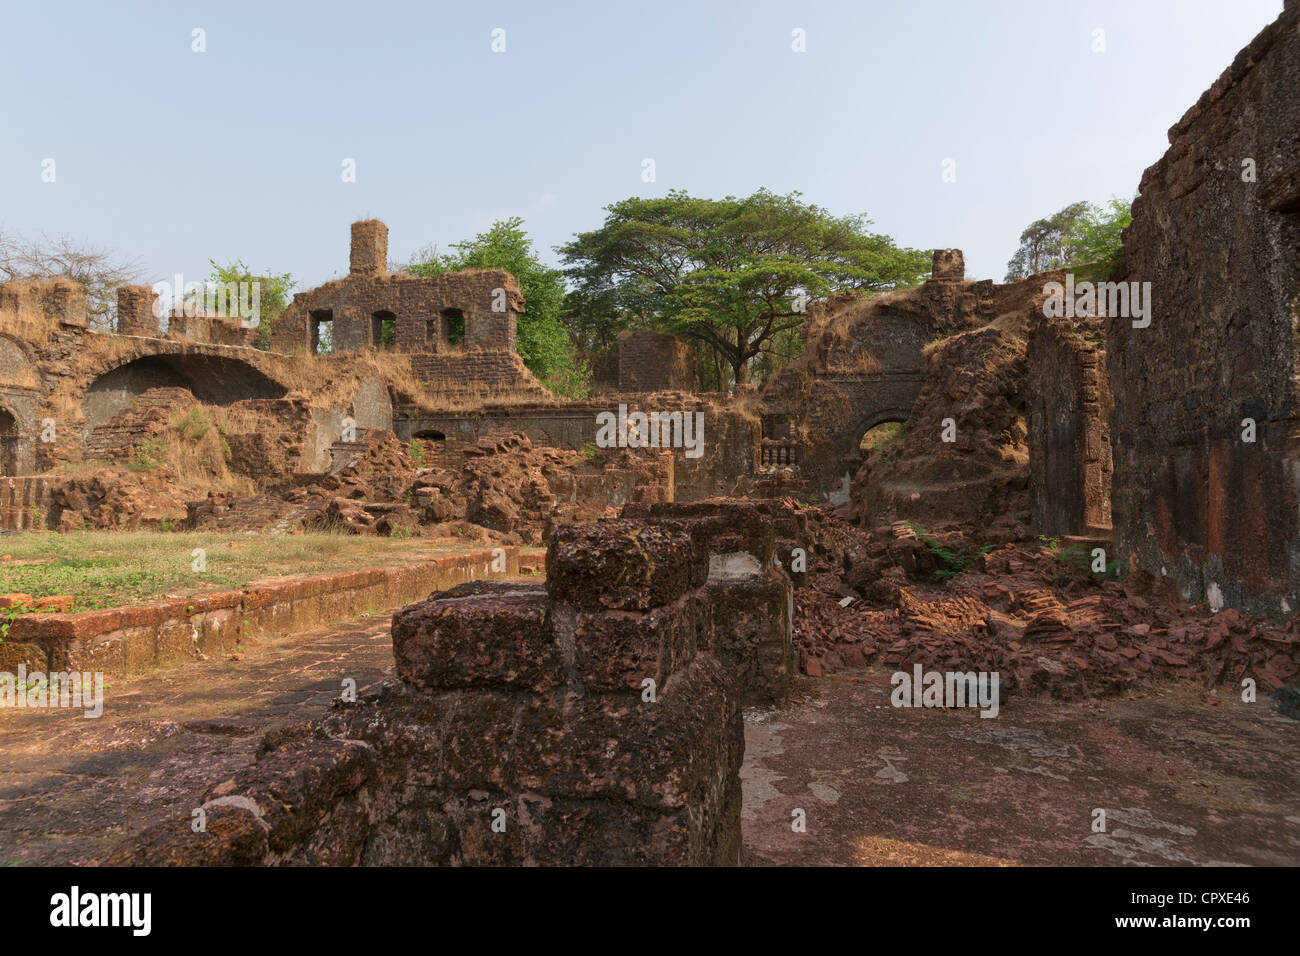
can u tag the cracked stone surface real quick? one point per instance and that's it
(71, 788)
(1183, 778)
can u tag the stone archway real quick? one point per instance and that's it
(872, 421)
(212, 379)
(10, 435)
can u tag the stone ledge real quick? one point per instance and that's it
(134, 638)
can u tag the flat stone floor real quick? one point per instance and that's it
(71, 789)
(1183, 780)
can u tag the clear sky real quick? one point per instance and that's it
(173, 157)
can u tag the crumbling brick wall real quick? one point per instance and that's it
(863, 365)
(652, 361)
(589, 721)
(1216, 231)
(750, 602)
(211, 329)
(55, 300)
(273, 439)
(147, 419)
(417, 312)
(729, 450)
(485, 369)
(135, 310)
(1069, 427)
(866, 364)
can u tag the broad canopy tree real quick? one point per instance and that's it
(732, 274)
(1083, 235)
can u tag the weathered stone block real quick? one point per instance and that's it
(500, 638)
(753, 621)
(623, 565)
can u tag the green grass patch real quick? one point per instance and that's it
(109, 569)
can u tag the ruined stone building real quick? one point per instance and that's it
(867, 362)
(432, 359)
(601, 709)
(1172, 441)
(375, 308)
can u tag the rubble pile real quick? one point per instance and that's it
(1037, 616)
(499, 488)
(963, 455)
(115, 497)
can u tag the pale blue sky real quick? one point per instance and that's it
(173, 157)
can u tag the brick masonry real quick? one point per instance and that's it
(1069, 428)
(1192, 500)
(865, 364)
(421, 309)
(650, 361)
(135, 310)
(730, 449)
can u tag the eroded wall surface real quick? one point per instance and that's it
(1069, 428)
(1216, 231)
(650, 361)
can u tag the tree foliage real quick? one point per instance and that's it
(1097, 245)
(1045, 244)
(274, 293)
(543, 340)
(734, 275)
(1083, 235)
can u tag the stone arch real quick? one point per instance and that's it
(214, 379)
(15, 363)
(875, 416)
(878, 416)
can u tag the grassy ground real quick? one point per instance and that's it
(109, 568)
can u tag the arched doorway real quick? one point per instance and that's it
(879, 436)
(9, 435)
(213, 379)
(879, 428)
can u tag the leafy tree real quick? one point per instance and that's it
(1046, 243)
(1097, 244)
(543, 340)
(99, 270)
(274, 293)
(733, 275)
(1083, 236)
